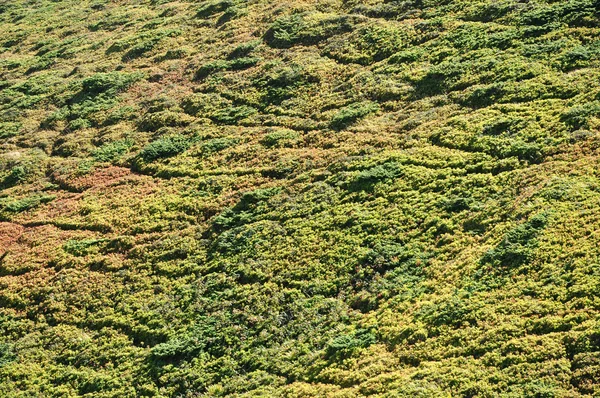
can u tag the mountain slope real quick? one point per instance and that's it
(331, 198)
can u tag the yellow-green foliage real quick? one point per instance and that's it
(299, 199)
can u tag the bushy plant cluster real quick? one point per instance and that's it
(164, 147)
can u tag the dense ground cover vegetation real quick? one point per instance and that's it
(332, 198)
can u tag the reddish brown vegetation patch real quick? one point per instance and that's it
(101, 177)
(9, 234)
(34, 248)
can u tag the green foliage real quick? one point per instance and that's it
(574, 13)
(245, 211)
(578, 117)
(388, 10)
(17, 174)
(207, 69)
(27, 203)
(368, 44)
(217, 144)
(347, 345)
(518, 246)
(244, 49)
(279, 138)
(165, 147)
(154, 121)
(233, 114)
(242, 63)
(351, 113)
(81, 247)
(454, 312)
(120, 114)
(281, 83)
(78, 124)
(112, 151)
(177, 348)
(203, 104)
(88, 106)
(305, 29)
(108, 84)
(305, 199)
(7, 354)
(366, 179)
(228, 8)
(9, 129)
(237, 63)
(141, 44)
(580, 56)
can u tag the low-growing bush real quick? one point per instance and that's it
(280, 83)
(390, 10)
(351, 113)
(264, 251)
(141, 44)
(177, 348)
(120, 114)
(578, 117)
(242, 63)
(367, 45)
(573, 12)
(110, 83)
(517, 247)
(209, 8)
(111, 151)
(454, 311)
(306, 29)
(157, 120)
(212, 67)
(406, 56)
(17, 174)
(7, 354)
(79, 124)
(139, 49)
(279, 138)
(27, 203)
(580, 56)
(349, 344)
(232, 115)
(9, 129)
(177, 53)
(487, 12)
(82, 247)
(203, 105)
(89, 106)
(366, 179)
(217, 144)
(165, 147)
(244, 49)
(220, 65)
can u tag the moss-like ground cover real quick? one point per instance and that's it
(332, 198)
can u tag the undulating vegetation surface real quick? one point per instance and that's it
(327, 198)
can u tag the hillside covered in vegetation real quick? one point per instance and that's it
(328, 198)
